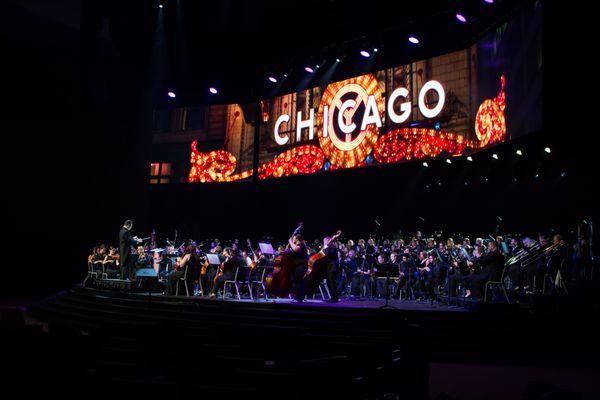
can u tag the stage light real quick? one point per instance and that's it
(213, 90)
(489, 1)
(519, 152)
(375, 50)
(469, 158)
(425, 164)
(461, 18)
(448, 161)
(537, 176)
(309, 69)
(337, 60)
(548, 150)
(563, 174)
(171, 94)
(413, 40)
(285, 75)
(273, 79)
(495, 156)
(160, 6)
(365, 54)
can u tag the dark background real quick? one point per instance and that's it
(80, 83)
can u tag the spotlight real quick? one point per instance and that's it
(519, 152)
(461, 18)
(365, 54)
(160, 6)
(563, 174)
(495, 156)
(213, 90)
(337, 60)
(548, 150)
(273, 79)
(425, 164)
(309, 69)
(448, 161)
(489, 1)
(413, 40)
(536, 175)
(469, 158)
(375, 50)
(285, 75)
(171, 94)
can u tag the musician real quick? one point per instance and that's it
(405, 269)
(331, 267)
(380, 284)
(423, 276)
(227, 270)
(142, 260)
(110, 262)
(300, 253)
(191, 261)
(557, 259)
(362, 280)
(126, 240)
(460, 270)
(491, 265)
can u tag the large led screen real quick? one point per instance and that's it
(445, 106)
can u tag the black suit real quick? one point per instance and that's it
(491, 264)
(125, 258)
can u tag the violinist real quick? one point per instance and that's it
(227, 270)
(190, 262)
(110, 262)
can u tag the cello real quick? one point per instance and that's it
(279, 284)
(316, 267)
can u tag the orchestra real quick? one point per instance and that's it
(416, 268)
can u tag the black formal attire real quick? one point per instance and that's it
(491, 265)
(193, 267)
(230, 266)
(332, 270)
(300, 268)
(126, 259)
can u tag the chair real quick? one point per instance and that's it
(184, 280)
(499, 283)
(323, 285)
(91, 273)
(237, 284)
(260, 284)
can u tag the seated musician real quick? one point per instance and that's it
(97, 258)
(362, 281)
(227, 270)
(422, 284)
(142, 260)
(111, 263)
(461, 269)
(491, 265)
(191, 261)
(380, 284)
(349, 268)
(406, 268)
(167, 261)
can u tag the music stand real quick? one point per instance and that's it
(389, 270)
(213, 259)
(266, 248)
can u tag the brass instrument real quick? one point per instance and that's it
(546, 251)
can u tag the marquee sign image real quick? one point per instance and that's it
(348, 126)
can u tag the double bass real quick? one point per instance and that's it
(279, 284)
(316, 267)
